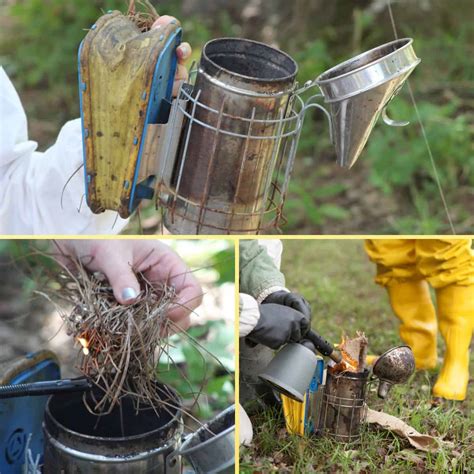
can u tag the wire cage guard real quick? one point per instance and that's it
(343, 406)
(242, 193)
(234, 152)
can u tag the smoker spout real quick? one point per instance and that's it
(323, 346)
(48, 387)
(335, 356)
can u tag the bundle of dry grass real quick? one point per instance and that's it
(120, 344)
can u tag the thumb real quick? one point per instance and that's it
(123, 281)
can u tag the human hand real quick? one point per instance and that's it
(183, 51)
(292, 300)
(119, 259)
(278, 325)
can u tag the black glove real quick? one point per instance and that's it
(279, 324)
(292, 300)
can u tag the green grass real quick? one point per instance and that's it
(337, 279)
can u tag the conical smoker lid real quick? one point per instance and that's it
(353, 119)
(359, 89)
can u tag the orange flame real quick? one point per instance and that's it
(347, 364)
(85, 345)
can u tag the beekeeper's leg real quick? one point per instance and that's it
(409, 296)
(448, 264)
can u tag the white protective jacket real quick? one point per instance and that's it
(31, 183)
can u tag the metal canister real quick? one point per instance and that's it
(231, 139)
(343, 406)
(211, 449)
(123, 441)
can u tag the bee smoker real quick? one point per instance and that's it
(218, 159)
(334, 404)
(59, 434)
(344, 398)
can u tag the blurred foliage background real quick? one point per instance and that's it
(391, 189)
(201, 365)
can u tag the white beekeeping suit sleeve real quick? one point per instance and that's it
(249, 314)
(31, 183)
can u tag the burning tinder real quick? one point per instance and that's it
(354, 354)
(85, 345)
(120, 344)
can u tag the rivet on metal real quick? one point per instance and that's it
(144, 95)
(86, 132)
(126, 184)
(135, 140)
(161, 37)
(89, 178)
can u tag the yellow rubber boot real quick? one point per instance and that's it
(371, 359)
(411, 302)
(456, 321)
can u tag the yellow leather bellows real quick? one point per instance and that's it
(122, 85)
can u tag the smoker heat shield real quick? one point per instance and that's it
(125, 88)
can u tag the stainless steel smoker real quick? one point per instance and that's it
(217, 159)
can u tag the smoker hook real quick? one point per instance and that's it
(393, 123)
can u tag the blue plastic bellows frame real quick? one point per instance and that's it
(22, 416)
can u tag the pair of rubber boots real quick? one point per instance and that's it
(411, 302)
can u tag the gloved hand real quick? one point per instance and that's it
(278, 325)
(292, 300)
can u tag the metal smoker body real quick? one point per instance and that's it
(78, 442)
(73, 445)
(343, 406)
(238, 128)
